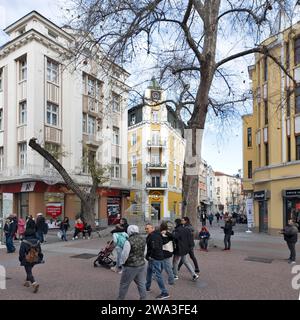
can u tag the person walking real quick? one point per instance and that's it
(210, 218)
(21, 228)
(168, 249)
(30, 254)
(204, 236)
(9, 234)
(218, 217)
(227, 232)
(183, 244)
(203, 218)
(133, 262)
(155, 257)
(290, 233)
(40, 227)
(119, 238)
(185, 221)
(64, 226)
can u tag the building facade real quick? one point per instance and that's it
(271, 147)
(70, 111)
(156, 151)
(211, 190)
(228, 192)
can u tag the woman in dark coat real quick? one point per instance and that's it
(227, 232)
(30, 241)
(64, 226)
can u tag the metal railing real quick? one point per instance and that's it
(162, 185)
(156, 143)
(156, 165)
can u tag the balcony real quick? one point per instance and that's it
(156, 144)
(156, 186)
(156, 166)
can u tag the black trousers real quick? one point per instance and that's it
(29, 276)
(227, 241)
(203, 243)
(291, 246)
(192, 256)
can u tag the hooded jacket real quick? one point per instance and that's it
(183, 240)
(155, 246)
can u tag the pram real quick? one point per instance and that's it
(104, 258)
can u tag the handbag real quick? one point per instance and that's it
(59, 234)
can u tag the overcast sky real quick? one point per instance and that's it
(222, 148)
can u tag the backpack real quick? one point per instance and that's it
(32, 256)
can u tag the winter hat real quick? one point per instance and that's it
(132, 229)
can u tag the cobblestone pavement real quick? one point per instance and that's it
(224, 275)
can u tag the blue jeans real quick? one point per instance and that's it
(154, 268)
(167, 265)
(64, 234)
(9, 243)
(40, 235)
(119, 253)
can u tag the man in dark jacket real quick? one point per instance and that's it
(185, 221)
(227, 232)
(184, 242)
(133, 262)
(290, 233)
(9, 233)
(40, 227)
(30, 241)
(155, 257)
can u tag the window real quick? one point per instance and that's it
(297, 147)
(133, 139)
(267, 153)
(133, 178)
(132, 119)
(297, 51)
(52, 114)
(115, 169)
(297, 99)
(1, 79)
(288, 149)
(91, 87)
(116, 102)
(22, 155)
(265, 69)
(116, 135)
(287, 55)
(84, 123)
(23, 69)
(249, 169)
(91, 125)
(23, 112)
(288, 103)
(1, 119)
(249, 137)
(134, 161)
(266, 112)
(1, 158)
(52, 71)
(155, 138)
(155, 116)
(258, 115)
(54, 150)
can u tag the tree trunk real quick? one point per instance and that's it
(88, 211)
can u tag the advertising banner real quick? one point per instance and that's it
(250, 215)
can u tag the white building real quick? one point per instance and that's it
(228, 192)
(42, 96)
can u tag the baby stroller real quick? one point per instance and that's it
(104, 258)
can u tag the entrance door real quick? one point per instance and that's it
(263, 216)
(156, 212)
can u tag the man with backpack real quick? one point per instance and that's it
(30, 254)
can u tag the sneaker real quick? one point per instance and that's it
(120, 271)
(195, 277)
(83, 237)
(176, 277)
(89, 238)
(73, 238)
(35, 287)
(163, 296)
(292, 262)
(27, 284)
(76, 237)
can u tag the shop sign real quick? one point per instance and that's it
(261, 195)
(291, 193)
(27, 186)
(54, 209)
(125, 193)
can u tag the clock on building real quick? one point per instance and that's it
(155, 95)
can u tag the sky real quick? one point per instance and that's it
(222, 146)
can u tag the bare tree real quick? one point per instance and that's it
(97, 172)
(183, 37)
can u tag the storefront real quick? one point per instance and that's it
(291, 205)
(262, 199)
(54, 205)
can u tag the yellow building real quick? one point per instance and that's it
(155, 157)
(271, 143)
